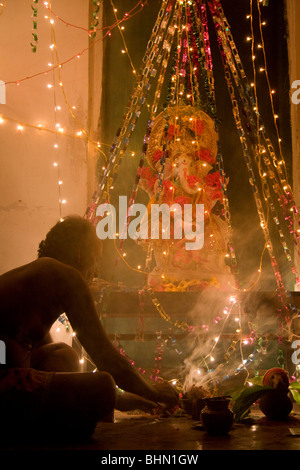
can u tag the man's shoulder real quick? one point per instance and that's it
(55, 275)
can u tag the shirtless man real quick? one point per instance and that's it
(40, 386)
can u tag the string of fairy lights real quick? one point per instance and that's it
(55, 67)
(176, 22)
(252, 179)
(234, 72)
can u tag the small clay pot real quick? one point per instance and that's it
(275, 404)
(217, 418)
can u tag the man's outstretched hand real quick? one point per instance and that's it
(129, 401)
(166, 394)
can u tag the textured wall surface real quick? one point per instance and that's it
(64, 102)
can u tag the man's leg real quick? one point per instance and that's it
(37, 405)
(77, 401)
(58, 357)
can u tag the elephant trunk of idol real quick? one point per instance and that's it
(186, 187)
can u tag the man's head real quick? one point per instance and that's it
(73, 241)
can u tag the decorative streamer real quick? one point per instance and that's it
(95, 23)
(181, 34)
(34, 25)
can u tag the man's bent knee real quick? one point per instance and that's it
(57, 357)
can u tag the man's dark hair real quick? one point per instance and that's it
(72, 241)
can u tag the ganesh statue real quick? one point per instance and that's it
(182, 175)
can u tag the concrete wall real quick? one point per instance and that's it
(29, 189)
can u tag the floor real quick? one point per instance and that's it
(144, 432)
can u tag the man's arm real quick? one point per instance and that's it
(78, 304)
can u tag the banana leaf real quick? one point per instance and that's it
(244, 401)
